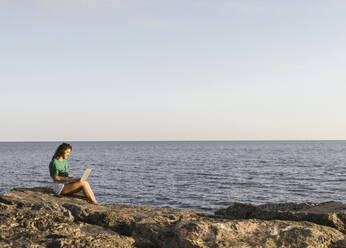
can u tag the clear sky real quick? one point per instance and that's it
(172, 70)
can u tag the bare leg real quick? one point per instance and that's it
(78, 186)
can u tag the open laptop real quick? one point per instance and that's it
(85, 175)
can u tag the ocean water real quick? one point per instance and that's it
(189, 175)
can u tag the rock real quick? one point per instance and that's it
(257, 233)
(331, 214)
(38, 218)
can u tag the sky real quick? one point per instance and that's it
(111, 70)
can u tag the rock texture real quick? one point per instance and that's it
(331, 214)
(38, 218)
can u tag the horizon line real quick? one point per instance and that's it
(202, 140)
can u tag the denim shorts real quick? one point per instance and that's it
(57, 187)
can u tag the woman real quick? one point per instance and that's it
(63, 183)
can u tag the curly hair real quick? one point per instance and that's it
(60, 151)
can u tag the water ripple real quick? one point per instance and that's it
(192, 175)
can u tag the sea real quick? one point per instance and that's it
(197, 175)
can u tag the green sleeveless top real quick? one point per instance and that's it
(58, 168)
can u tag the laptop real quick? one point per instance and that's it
(85, 175)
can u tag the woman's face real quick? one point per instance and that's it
(67, 153)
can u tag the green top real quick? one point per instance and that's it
(58, 168)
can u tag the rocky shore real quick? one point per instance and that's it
(38, 218)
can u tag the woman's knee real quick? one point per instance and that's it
(77, 184)
(85, 183)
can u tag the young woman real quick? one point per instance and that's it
(63, 183)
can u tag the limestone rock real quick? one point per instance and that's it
(331, 214)
(257, 233)
(38, 218)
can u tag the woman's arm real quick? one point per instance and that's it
(65, 179)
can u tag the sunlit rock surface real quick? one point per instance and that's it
(331, 214)
(38, 218)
